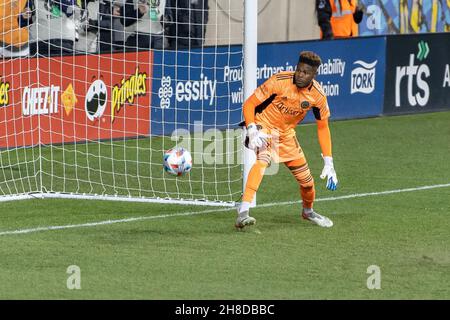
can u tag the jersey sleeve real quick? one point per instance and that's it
(268, 88)
(321, 109)
(322, 105)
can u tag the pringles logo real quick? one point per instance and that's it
(96, 99)
(127, 91)
(4, 93)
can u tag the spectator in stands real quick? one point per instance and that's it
(14, 21)
(145, 22)
(153, 24)
(188, 27)
(111, 33)
(59, 7)
(84, 24)
(86, 27)
(338, 18)
(55, 30)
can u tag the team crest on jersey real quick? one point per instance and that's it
(304, 104)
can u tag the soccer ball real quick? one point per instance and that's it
(177, 161)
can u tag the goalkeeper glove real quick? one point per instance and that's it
(257, 138)
(329, 173)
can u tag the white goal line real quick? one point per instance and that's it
(192, 213)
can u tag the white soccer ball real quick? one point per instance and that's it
(177, 161)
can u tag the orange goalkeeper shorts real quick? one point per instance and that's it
(280, 148)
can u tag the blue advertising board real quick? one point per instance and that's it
(351, 74)
(192, 87)
(205, 86)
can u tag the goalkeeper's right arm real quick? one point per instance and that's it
(249, 109)
(257, 139)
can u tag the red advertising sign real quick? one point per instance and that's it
(75, 98)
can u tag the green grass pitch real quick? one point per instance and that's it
(201, 256)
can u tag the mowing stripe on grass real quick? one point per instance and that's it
(192, 213)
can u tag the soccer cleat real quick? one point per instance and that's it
(317, 219)
(244, 222)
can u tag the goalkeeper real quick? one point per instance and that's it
(271, 115)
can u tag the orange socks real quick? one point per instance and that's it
(300, 170)
(254, 180)
(308, 195)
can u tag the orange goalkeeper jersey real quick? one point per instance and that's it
(287, 105)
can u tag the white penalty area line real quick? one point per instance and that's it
(193, 213)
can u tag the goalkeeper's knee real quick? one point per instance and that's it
(263, 159)
(261, 166)
(303, 176)
(254, 180)
(307, 182)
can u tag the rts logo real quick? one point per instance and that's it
(415, 75)
(363, 77)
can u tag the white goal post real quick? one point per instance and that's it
(92, 92)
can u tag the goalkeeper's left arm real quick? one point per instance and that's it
(328, 172)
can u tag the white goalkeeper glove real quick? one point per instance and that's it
(256, 138)
(329, 173)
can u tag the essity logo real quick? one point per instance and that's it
(191, 90)
(95, 101)
(43, 100)
(165, 92)
(363, 77)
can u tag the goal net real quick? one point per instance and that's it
(93, 93)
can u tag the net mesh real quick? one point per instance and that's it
(93, 93)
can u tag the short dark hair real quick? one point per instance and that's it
(310, 58)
